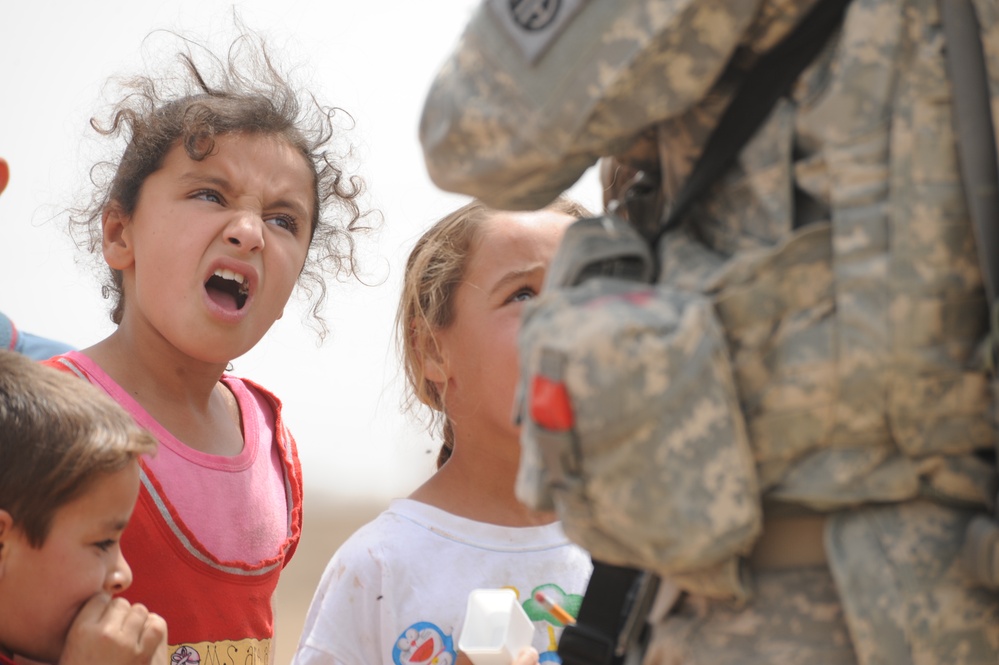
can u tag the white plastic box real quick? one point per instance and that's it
(496, 627)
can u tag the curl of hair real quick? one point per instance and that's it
(436, 266)
(242, 92)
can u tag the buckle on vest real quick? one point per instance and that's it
(582, 645)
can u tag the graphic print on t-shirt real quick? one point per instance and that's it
(244, 652)
(570, 602)
(425, 643)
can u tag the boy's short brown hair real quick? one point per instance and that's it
(58, 435)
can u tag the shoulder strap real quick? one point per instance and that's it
(768, 81)
(611, 622)
(976, 148)
(976, 145)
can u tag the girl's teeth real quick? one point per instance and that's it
(228, 274)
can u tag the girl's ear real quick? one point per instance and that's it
(432, 355)
(117, 237)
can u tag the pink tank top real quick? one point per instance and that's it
(209, 491)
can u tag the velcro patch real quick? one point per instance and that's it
(534, 24)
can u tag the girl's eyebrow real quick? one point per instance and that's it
(195, 178)
(516, 276)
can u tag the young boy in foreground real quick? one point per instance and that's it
(69, 478)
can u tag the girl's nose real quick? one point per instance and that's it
(119, 576)
(246, 231)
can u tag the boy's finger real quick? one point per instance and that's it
(93, 609)
(112, 630)
(134, 618)
(117, 612)
(147, 630)
(153, 637)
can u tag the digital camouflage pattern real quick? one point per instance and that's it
(840, 262)
(795, 619)
(657, 424)
(908, 600)
(516, 135)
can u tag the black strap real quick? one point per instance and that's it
(976, 145)
(615, 597)
(770, 79)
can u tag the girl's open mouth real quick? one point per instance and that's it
(228, 289)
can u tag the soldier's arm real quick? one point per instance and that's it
(530, 100)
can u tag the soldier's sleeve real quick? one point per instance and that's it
(536, 92)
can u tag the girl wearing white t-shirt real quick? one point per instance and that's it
(396, 591)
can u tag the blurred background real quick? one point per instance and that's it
(374, 59)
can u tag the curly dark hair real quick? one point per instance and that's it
(241, 92)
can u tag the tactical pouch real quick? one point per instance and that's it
(905, 594)
(632, 430)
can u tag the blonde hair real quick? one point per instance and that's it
(434, 269)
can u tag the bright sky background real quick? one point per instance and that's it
(373, 58)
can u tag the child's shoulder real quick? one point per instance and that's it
(69, 361)
(380, 538)
(239, 383)
(250, 395)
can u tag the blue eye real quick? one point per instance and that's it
(209, 195)
(521, 295)
(285, 222)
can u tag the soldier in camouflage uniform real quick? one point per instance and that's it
(808, 499)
